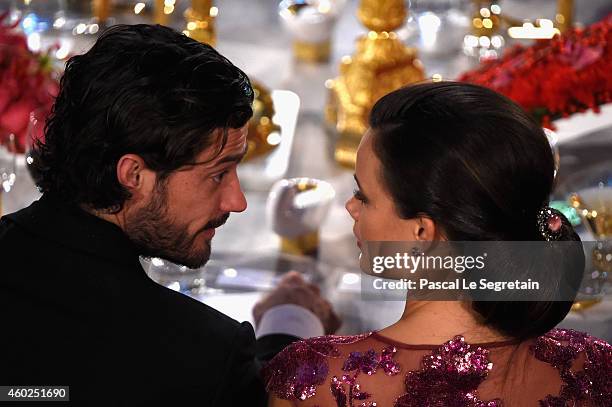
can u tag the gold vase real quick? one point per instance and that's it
(380, 65)
(264, 135)
(101, 9)
(200, 18)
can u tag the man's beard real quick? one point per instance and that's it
(155, 234)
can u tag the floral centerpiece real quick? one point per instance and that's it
(555, 78)
(27, 83)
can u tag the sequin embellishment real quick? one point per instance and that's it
(295, 373)
(449, 376)
(368, 363)
(593, 383)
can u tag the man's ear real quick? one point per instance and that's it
(133, 174)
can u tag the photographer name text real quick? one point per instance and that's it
(457, 284)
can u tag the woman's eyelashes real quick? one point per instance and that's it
(360, 196)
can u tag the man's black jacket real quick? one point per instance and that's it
(78, 310)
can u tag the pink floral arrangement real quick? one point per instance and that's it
(27, 83)
(555, 78)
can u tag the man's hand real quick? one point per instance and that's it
(292, 289)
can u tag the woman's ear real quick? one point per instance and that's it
(425, 229)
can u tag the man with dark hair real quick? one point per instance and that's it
(139, 158)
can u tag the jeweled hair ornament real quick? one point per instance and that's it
(550, 223)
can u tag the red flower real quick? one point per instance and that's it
(555, 78)
(15, 119)
(27, 82)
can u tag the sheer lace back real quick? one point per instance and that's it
(563, 367)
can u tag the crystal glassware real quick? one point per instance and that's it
(594, 204)
(311, 23)
(486, 40)
(62, 26)
(592, 200)
(437, 26)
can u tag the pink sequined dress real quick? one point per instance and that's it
(561, 368)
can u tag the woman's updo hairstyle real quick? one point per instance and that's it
(481, 168)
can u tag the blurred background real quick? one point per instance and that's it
(318, 66)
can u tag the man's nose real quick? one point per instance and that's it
(233, 199)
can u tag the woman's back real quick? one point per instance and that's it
(455, 162)
(563, 367)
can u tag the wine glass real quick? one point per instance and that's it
(296, 209)
(57, 26)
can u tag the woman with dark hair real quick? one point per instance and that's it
(453, 162)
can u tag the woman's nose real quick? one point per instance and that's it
(352, 206)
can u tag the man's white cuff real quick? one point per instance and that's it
(290, 319)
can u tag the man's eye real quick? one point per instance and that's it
(219, 177)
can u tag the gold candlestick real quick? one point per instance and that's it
(565, 14)
(200, 19)
(101, 9)
(380, 65)
(160, 16)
